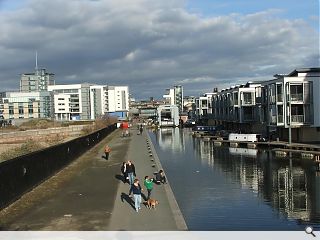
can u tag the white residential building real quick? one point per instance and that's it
(293, 101)
(87, 101)
(117, 101)
(78, 97)
(174, 96)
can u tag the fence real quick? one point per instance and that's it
(21, 174)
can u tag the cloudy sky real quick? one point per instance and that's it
(151, 45)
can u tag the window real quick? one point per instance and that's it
(11, 110)
(21, 111)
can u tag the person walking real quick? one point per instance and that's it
(141, 129)
(148, 183)
(123, 171)
(136, 190)
(107, 151)
(130, 171)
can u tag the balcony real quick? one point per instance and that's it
(280, 119)
(279, 98)
(297, 118)
(296, 97)
(248, 117)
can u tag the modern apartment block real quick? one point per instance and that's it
(24, 105)
(237, 107)
(292, 103)
(117, 101)
(174, 96)
(204, 105)
(289, 102)
(37, 81)
(87, 101)
(71, 101)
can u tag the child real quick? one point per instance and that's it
(148, 183)
(107, 151)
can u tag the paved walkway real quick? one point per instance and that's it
(89, 194)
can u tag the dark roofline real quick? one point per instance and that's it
(306, 70)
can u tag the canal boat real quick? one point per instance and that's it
(211, 130)
(241, 137)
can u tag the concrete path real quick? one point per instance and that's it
(166, 216)
(89, 194)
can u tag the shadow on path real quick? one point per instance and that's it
(127, 199)
(121, 177)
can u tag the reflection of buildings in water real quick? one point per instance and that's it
(205, 151)
(286, 187)
(250, 177)
(248, 152)
(171, 138)
(291, 194)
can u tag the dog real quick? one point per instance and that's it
(151, 203)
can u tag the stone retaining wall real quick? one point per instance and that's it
(38, 134)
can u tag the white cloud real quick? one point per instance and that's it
(149, 44)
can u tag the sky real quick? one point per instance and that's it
(152, 45)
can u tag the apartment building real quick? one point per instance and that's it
(174, 96)
(24, 105)
(98, 100)
(37, 81)
(286, 107)
(72, 101)
(87, 101)
(291, 105)
(238, 107)
(117, 101)
(204, 105)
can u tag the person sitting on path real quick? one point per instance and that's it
(130, 171)
(148, 183)
(136, 190)
(160, 177)
(107, 151)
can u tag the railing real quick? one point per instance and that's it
(296, 97)
(297, 118)
(280, 118)
(22, 173)
(280, 98)
(248, 117)
(247, 102)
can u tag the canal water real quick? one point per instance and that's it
(222, 188)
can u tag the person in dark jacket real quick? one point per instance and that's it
(136, 190)
(160, 177)
(123, 171)
(130, 171)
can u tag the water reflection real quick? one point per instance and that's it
(249, 179)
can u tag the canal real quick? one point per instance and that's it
(222, 188)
